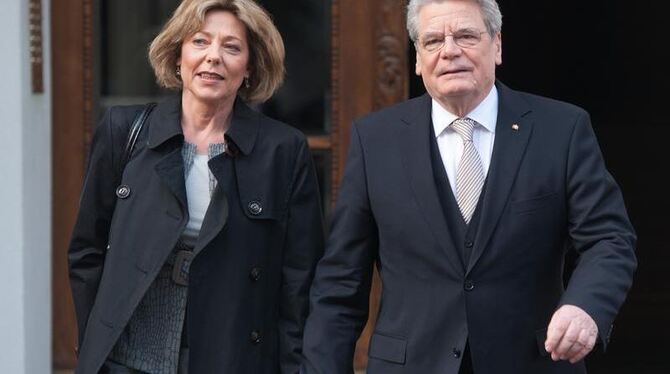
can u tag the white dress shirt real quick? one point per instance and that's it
(483, 135)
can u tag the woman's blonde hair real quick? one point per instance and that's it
(266, 57)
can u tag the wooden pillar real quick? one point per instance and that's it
(71, 35)
(369, 72)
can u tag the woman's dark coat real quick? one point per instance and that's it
(260, 240)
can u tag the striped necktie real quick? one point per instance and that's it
(470, 174)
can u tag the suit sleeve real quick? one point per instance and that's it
(340, 293)
(303, 249)
(88, 243)
(600, 231)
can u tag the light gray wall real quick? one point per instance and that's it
(25, 198)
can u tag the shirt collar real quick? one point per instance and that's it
(486, 114)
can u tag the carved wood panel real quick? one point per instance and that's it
(36, 50)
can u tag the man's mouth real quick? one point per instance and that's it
(455, 71)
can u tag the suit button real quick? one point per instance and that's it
(469, 244)
(123, 191)
(255, 273)
(456, 352)
(255, 337)
(255, 208)
(469, 285)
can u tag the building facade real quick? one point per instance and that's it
(65, 61)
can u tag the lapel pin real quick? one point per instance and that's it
(515, 127)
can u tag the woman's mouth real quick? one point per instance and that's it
(210, 76)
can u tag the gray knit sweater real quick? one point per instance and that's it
(151, 340)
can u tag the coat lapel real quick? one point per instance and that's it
(217, 211)
(170, 169)
(512, 134)
(240, 137)
(413, 136)
(164, 125)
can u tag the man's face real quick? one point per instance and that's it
(454, 75)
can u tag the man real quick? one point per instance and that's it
(467, 199)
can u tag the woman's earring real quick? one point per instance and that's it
(246, 82)
(178, 71)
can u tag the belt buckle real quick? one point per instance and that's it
(181, 266)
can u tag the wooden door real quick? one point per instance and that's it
(369, 72)
(367, 53)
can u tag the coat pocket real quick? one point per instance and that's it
(388, 348)
(119, 290)
(530, 205)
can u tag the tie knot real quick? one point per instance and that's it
(464, 127)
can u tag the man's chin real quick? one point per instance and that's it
(456, 91)
(455, 85)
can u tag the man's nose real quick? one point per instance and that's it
(450, 49)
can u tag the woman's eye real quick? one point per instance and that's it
(199, 41)
(233, 47)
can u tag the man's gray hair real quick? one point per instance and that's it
(489, 8)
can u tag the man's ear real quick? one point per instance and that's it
(498, 43)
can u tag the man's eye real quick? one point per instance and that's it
(431, 42)
(467, 36)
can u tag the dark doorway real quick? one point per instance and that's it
(609, 58)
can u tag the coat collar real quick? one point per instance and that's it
(166, 124)
(243, 130)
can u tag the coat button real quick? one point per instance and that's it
(456, 352)
(255, 337)
(255, 208)
(469, 244)
(469, 285)
(123, 191)
(255, 273)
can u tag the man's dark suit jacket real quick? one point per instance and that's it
(547, 191)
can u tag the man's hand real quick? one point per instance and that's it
(571, 335)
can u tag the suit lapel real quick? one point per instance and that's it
(413, 136)
(512, 134)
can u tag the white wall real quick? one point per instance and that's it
(25, 198)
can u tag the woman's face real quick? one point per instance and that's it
(214, 61)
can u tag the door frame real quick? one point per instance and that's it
(368, 72)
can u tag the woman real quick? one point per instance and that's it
(197, 255)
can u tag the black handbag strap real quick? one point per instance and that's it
(133, 134)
